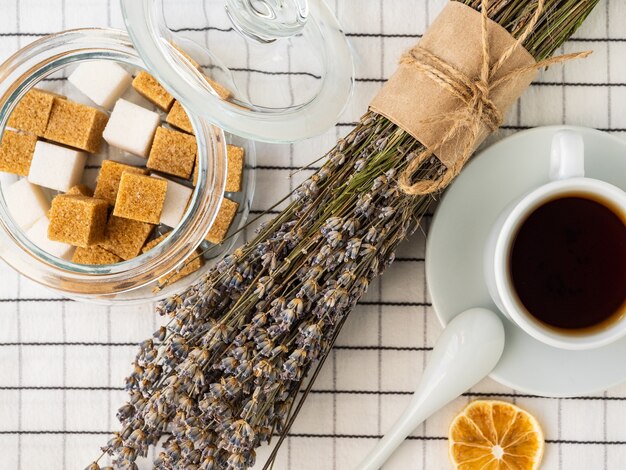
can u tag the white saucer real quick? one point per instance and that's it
(454, 259)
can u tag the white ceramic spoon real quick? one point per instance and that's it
(466, 352)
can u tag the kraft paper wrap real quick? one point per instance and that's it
(410, 99)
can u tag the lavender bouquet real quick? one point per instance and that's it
(226, 372)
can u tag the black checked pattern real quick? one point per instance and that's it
(63, 362)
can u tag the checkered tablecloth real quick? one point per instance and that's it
(62, 363)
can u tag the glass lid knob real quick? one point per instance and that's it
(268, 20)
(285, 64)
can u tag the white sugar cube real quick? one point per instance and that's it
(26, 202)
(131, 128)
(56, 167)
(38, 234)
(102, 81)
(176, 200)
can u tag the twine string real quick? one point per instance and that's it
(476, 109)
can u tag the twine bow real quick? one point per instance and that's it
(477, 108)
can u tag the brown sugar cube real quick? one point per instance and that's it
(173, 153)
(109, 179)
(125, 237)
(196, 171)
(223, 221)
(148, 87)
(234, 176)
(140, 198)
(94, 255)
(80, 190)
(152, 243)
(76, 125)
(223, 92)
(186, 56)
(190, 266)
(32, 112)
(178, 118)
(16, 152)
(77, 220)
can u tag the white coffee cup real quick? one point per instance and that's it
(567, 176)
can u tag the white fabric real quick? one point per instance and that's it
(62, 363)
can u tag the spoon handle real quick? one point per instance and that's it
(400, 430)
(467, 350)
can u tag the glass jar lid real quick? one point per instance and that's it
(285, 65)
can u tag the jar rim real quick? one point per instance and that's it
(23, 71)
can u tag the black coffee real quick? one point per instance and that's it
(568, 263)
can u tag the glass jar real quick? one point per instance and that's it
(295, 83)
(44, 62)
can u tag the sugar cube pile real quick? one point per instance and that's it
(129, 209)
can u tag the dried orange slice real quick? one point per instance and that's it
(494, 435)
